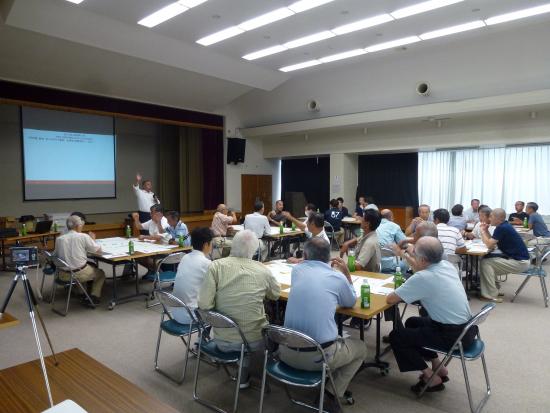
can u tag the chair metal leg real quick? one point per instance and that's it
(544, 291)
(334, 388)
(238, 384)
(264, 378)
(85, 292)
(322, 390)
(467, 381)
(42, 284)
(445, 362)
(158, 348)
(521, 287)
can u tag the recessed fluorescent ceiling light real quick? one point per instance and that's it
(75, 1)
(266, 18)
(327, 34)
(392, 44)
(520, 14)
(343, 55)
(221, 35)
(362, 24)
(422, 7)
(452, 30)
(304, 5)
(302, 65)
(160, 16)
(191, 3)
(265, 52)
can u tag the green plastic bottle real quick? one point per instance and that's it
(281, 228)
(525, 223)
(131, 247)
(128, 231)
(54, 226)
(398, 279)
(180, 241)
(293, 226)
(365, 294)
(24, 230)
(351, 260)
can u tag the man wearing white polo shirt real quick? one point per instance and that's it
(145, 198)
(259, 225)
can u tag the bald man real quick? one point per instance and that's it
(441, 293)
(405, 249)
(389, 233)
(220, 223)
(513, 257)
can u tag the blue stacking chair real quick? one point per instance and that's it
(207, 347)
(170, 326)
(161, 277)
(474, 352)
(278, 370)
(537, 271)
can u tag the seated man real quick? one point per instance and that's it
(450, 237)
(302, 224)
(278, 215)
(341, 207)
(367, 247)
(177, 229)
(517, 218)
(73, 248)
(315, 282)
(156, 226)
(389, 233)
(423, 215)
(237, 286)
(361, 206)
(405, 249)
(515, 257)
(221, 222)
(441, 293)
(191, 273)
(537, 224)
(472, 213)
(457, 220)
(315, 229)
(334, 216)
(257, 223)
(484, 213)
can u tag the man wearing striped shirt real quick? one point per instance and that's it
(236, 286)
(450, 237)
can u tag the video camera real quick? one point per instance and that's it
(27, 256)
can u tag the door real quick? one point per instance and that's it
(255, 187)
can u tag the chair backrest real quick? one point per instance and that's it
(174, 258)
(475, 321)
(330, 228)
(168, 301)
(288, 338)
(218, 320)
(60, 264)
(387, 251)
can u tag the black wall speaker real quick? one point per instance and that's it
(235, 150)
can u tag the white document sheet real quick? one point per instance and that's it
(281, 271)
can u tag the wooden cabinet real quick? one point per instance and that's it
(255, 187)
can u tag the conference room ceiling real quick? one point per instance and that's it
(215, 15)
(105, 28)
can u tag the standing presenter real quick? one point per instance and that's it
(146, 198)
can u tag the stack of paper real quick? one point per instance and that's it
(281, 271)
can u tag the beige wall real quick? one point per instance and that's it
(136, 149)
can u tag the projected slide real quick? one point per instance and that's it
(76, 161)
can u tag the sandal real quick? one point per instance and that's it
(417, 388)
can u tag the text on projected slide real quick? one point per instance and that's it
(68, 156)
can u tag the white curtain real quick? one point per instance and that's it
(498, 177)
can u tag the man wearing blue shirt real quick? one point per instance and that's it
(514, 259)
(536, 222)
(436, 285)
(177, 229)
(334, 215)
(389, 233)
(317, 290)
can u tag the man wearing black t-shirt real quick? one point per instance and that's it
(513, 260)
(516, 218)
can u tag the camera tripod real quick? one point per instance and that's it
(21, 274)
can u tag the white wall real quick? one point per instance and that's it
(491, 62)
(255, 164)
